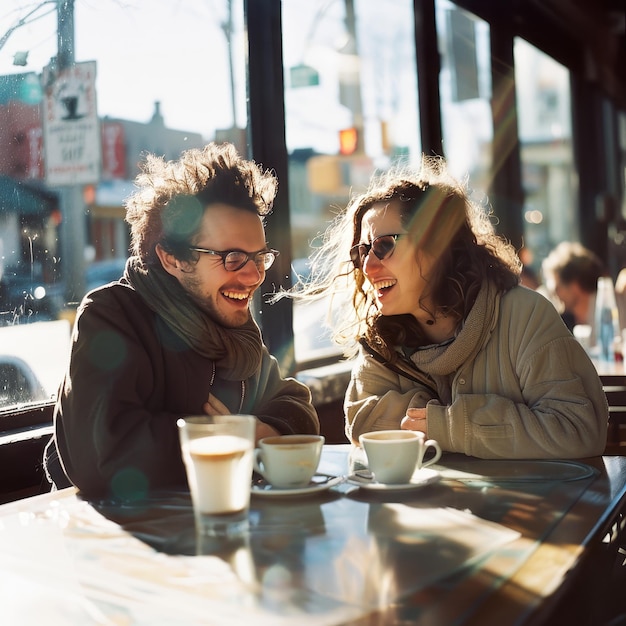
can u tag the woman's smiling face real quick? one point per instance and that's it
(398, 280)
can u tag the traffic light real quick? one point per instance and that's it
(348, 141)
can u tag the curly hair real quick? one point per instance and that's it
(168, 206)
(443, 221)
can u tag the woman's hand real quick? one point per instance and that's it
(415, 419)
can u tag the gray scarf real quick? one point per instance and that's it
(442, 361)
(236, 351)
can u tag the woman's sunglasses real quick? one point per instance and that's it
(382, 247)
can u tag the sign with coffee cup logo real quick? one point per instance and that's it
(71, 129)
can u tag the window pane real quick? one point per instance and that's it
(149, 76)
(548, 175)
(465, 89)
(351, 108)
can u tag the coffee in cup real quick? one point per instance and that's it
(394, 455)
(288, 461)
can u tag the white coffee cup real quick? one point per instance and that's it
(217, 453)
(394, 455)
(288, 461)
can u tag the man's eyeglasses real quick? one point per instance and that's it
(382, 247)
(234, 260)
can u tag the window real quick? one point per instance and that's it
(148, 76)
(350, 109)
(465, 87)
(548, 175)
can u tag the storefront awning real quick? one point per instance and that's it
(18, 196)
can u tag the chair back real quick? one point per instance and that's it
(615, 391)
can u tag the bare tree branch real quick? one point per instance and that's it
(24, 20)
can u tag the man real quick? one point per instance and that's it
(571, 272)
(174, 336)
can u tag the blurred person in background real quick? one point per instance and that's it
(445, 339)
(175, 335)
(571, 274)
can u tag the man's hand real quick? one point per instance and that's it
(415, 419)
(214, 407)
(264, 430)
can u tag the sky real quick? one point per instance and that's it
(171, 51)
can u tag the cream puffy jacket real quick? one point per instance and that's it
(513, 384)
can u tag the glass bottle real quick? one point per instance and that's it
(607, 325)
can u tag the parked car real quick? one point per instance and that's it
(26, 297)
(18, 382)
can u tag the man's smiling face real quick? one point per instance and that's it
(225, 295)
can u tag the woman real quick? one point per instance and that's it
(447, 341)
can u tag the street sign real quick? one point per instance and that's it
(71, 130)
(304, 76)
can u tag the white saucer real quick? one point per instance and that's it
(319, 482)
(420, 479)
